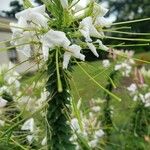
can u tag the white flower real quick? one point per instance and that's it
(73, 50)
(106, 63)
(101, 45)
(34, 15)
(135, 97)
(12, 80)
(75, 124)
(3, 102)
(102, 22)
(93, 49)
(54, 39)
(99, 133)
(147, 99)
(132, 88)
(64, 3)
(29, 125)
(44, 141)
(30, 138)
(99, 10)
(118, 67)
(4, 89)
(79, 8)
(2, 123)
(96, 108)
(17, 28)
(145, 72)
(88, 30)
(24, 31)
(93, 143)
(125, 68)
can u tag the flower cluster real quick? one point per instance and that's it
(125, 66)
(90, 125)
(20, 100)
(140, 93)
(35, 32)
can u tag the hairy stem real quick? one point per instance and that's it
(59, 131)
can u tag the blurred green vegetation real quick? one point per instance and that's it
(83, 88)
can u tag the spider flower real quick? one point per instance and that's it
(53, 39)
(24, 31)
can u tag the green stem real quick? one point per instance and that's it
(58, 130)
(132, 21)
(60, 89)
(107, 120)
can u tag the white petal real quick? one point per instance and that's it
(3, 102)
(66, 59)
(75, 51)
(132, 87)
(101, 46)
(44, 141)
(55, 38)
(86, 35)
(26, 13)
(25, 49)
(93, 143)
(93, 49)
(85, 26)
(88, 30)
(64, 3)
(102, 22)
(45, 50)
(99, 133)
(30, 138)
(75, 124)
(99, 10)
(39, 19)
(36, 15)
(28, 125)
(95, 33)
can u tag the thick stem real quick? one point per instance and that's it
(107, 120)
(59, 131)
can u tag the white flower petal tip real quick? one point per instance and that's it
(44, 141)
(93, 49)
(3, 102)
(101, 45)
(102, 22)
(29, 125)
(73, 50)
(99, 10)
(66, 59)
(64, 4)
